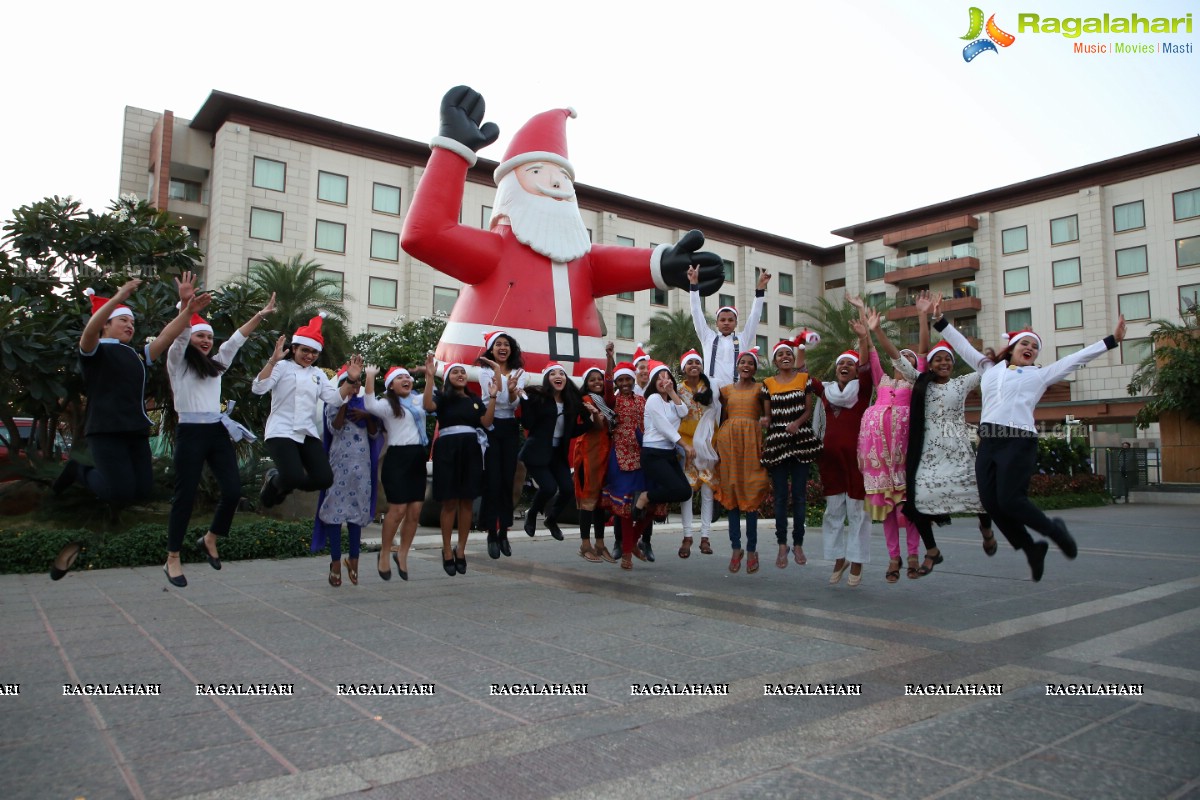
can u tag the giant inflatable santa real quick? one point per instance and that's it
(535, 274)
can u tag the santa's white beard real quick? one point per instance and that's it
(550, 227)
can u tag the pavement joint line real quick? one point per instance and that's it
(1131, 637)
(303, 786)
(1150, 668)
(1044, 619)
(1185, 790)
(131, 781)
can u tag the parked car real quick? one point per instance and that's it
(26, 431)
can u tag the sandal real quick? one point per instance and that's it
(893, 573)
(685, 547)
(352, 569)
(603, 553)
(735, 561)
(626, 561)
(989, 542)
(705, 547)
(781, 559)
(587, 553)
(912, 566)
(335, 575)
(798, 554)
(931, 561)
(751, 563)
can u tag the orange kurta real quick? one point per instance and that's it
(741, 481)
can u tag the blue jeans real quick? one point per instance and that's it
(798, 472)
(735, 530)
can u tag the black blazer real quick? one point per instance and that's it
(539, 414)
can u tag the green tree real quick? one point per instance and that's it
(671, 335)
(832, 322)
(405, 346)
(301, 292)
(1171, 374)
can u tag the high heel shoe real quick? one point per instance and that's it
(403, 572)
(213, 561)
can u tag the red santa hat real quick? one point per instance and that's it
(690, 355)
(940, 347)
(753, 351)
(310, 335)
(490, 338)
(786, 344)
(542, 138)
(807, 338)
(730, 309)
(640, 355)
(850, 354)
(342, 375)
(655, 368)
(392, 374)
(624, 368)
(554, 365)
(199, 324)
(98, 303)
(1014, 336)
(589, 371)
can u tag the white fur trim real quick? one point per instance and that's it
(656, 267)
(940, 348)
(88, 292)
(458, 148)
(121, 311)
(393, 374)
(654, 373)
(202, 328)
(307, 342)
(535, 155)
(626, 372)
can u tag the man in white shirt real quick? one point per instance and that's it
(723, 346)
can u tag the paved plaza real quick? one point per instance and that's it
(699, 644)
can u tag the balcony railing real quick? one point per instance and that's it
(903, 300)
(921, 259)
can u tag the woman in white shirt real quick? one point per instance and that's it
(403, 473)
(1011, 387)
(665, 481)
(292, 436)
(204, 435)
(502, 357)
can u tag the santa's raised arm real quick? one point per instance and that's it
(535, 273)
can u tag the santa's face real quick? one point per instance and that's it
(546, 179)
(594, 382)
(624, 384)
(542, 217)
(1025, 351)
(202, 341)
(305, 356)
(726, 322)
(119, 328)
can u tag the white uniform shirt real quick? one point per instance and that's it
(660, 422)
(401, 431)
(506, 407)
(195, 392)
(296, 394)
(722, 371)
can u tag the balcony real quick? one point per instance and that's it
(959, 261)
(945, 228)
(964, 299)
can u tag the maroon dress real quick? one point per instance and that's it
(838, 461)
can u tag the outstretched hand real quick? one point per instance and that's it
(678, 259)
(185, 284)
(1119, 333)
(127, 288)
(462, 119)
(280, 349)
(198, 303)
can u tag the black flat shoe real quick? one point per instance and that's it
(460, 562)
(213, 561)
(179, 582)
(1063, 538)
(616, 550)
(555, 531)
(266, 495)
(448, 566)
(1036, 555)
(403, 572)
(505, 547)
(66, 556)
(646, 551)
(493, 542)
(531, 525)
(387, 576)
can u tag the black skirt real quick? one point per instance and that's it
(403, 474)
(457, 467)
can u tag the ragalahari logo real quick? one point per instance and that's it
(995, 36)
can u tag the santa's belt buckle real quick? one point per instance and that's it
(564, 343)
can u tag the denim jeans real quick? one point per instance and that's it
(798, 473)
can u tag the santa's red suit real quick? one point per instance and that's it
(548, 307)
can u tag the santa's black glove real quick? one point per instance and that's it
(678, 257)
(462, 111)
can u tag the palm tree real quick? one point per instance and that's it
(832, 322)
(671, 335)
(301, 292)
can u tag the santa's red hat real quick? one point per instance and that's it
(807, 338)
(588, 372)
(392, 374)
(490, 338)
(553, 365)
(624, 368)
(850, 354)
(639, 355)
(690, 355)
(730, 309)
(786, 344)
(543, 138)
(655, 368)
(1014, 336)
(98, 303)
(342, 375)
(310, 335)
(940, 347)
(199, 324)
(753, 351)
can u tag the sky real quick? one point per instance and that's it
(790, 118)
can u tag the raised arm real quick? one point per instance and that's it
(175, 327)
(266, 379)
(876, 326)
(703, 332)
(760, 293)
(90, 338)
(430, 376)
(1058, 369)
(962, 346)
(252, 324)
(926, 303)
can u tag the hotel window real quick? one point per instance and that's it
(1014, 240)
(1062, 351)
(332, 188)
(658, 297)
(836, 283)
(266, 224)
(876, 299)
(485, 216)
(1129, 216)
(382, 292)
(1135, 305)
(786, 316)
(335, 283)
(252, 264)
(385, 199)
(1018, 319)
(1066, 272)
(443, 301)
(385, 245)
(1189, 298)
(269, 174)
(762, 317)
(183, 190)
(761, 343)
(785, 283)
(331, 236)
(1016, 281)
(624, 326)
(1187, 204)
(724, 300)
(1064, 229)
(918, 256)
(1068, 315)
(876, 268)
(1134, 351)
(1187, 251)
(379, 330)
(628, 296)
(625, 241)
(1131, 261)
(729, 270)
